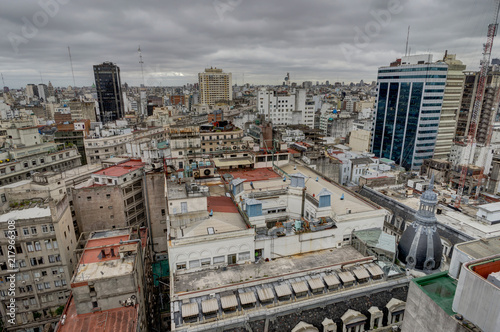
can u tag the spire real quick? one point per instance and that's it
(431, 184)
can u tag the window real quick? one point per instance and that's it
(33, 230)
(51, 228)
(54, 244)
(89, 198)
(45, 229)
(52, 259)
(38, 247)
(243, 256)
(29, 245)
(57, 283)
(219, 259)
(47, 285)
(194, 263)
(205, 261)
(33, 262)
(26, 231)
(22, 263)
(181, 266)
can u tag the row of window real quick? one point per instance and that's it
(231, 259)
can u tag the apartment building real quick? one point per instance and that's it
(215, 86)
(113, 142)
(109, 286)
(44, 246)
(113, 198)
(185, 145)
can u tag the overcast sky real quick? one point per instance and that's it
(259, 41)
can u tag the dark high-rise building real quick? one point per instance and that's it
(109, 92)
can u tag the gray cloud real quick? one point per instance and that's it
(261, 40)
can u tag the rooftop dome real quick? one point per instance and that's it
(420, 246)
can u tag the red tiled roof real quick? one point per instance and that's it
(122, 319)
(121, 169)
(292, 151)
(221, 204)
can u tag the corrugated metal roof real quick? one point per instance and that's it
(265, 294)
(300, 287)
(361, 273)
(190, 309)
(229, 301)
(247, 298)
(283, 290)
(346, 276)
(375, 270)
(209, 306)
(331, 280)
(316, 283)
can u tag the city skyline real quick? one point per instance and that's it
(257, 43)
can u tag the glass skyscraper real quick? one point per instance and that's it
(408, 107)
(109, 92)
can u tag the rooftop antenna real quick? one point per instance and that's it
(407, 38)
(41, 79)
(141, 62)
(71, 63)
(3, 81)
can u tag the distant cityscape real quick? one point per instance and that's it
(212, 206)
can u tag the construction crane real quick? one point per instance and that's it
(471, 137)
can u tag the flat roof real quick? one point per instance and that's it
(30, 213)
(221, 204)
(209, 279)
(492, 207)
(121, 169)
(256, 174)
(351, 202)
(224, 162)
(440, 287)
(112, 320)
(377, 238)
(480, 248)
(220, 222)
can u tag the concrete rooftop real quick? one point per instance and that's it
(210, 279)
(351, 201)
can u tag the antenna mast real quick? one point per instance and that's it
(407, 38)
(141, 62)
(3, 81)
(71, 63)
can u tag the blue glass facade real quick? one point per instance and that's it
(405, 128)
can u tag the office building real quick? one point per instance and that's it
(44, 244)
(408, 108)
(215, 86)
(451, 103)
(109, 92)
